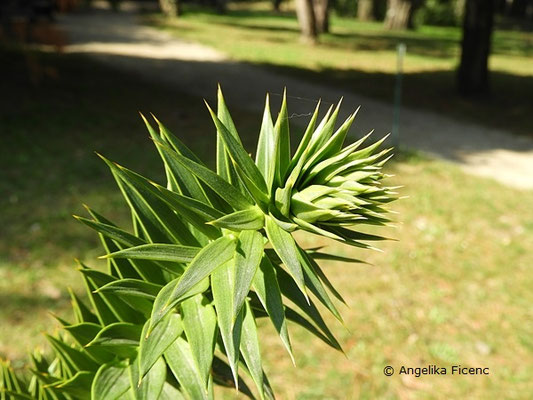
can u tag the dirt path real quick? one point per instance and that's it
(120, 41)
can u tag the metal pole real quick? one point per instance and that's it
(395, 137)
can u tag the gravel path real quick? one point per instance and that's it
(120, 41)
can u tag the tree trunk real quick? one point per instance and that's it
(306, 19)
(398, 14)
(170, 8)
(365, 10)
(473, 74)
(459, 9)
(321, 10)
(277, 5)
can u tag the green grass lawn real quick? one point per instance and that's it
(455, 288)
(361, 57)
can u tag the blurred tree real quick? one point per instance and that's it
(321, 10)
(365, 10)
(306, 19)
(313, 17)
(170, 8)
(473, 73)
(459, 9)
(277, 5)
(400, 13)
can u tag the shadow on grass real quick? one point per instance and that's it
(56, 110)
(426, 46)
(438, 42)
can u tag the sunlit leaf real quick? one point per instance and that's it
(161, 337)
(158, 252)
(209, 254)
(249, 219)
(151, 385)
(250, 348)
(223, 287)
(287, 251)
(181, 362)
(206, 261)
(200, 324)
(266, 286)
(111, 381)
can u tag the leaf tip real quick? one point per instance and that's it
(143, 117)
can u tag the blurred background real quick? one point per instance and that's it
(451, 79)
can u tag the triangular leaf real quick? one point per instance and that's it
(223, 286)
(158, 252)
(267, 289)
(154, 345)
(247, 258)
(208, 259)
(285, 247)
(251, 218)
(181, 362)
(265, 146)
(151, 385)
(250, 348)
(200, 323)
(111, 381)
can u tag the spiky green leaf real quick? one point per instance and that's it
(111, 381)
(200, 324)
(153, 346)
(206, 261)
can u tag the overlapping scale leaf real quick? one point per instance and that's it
(207, 254)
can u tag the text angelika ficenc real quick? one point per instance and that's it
(435, 370)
